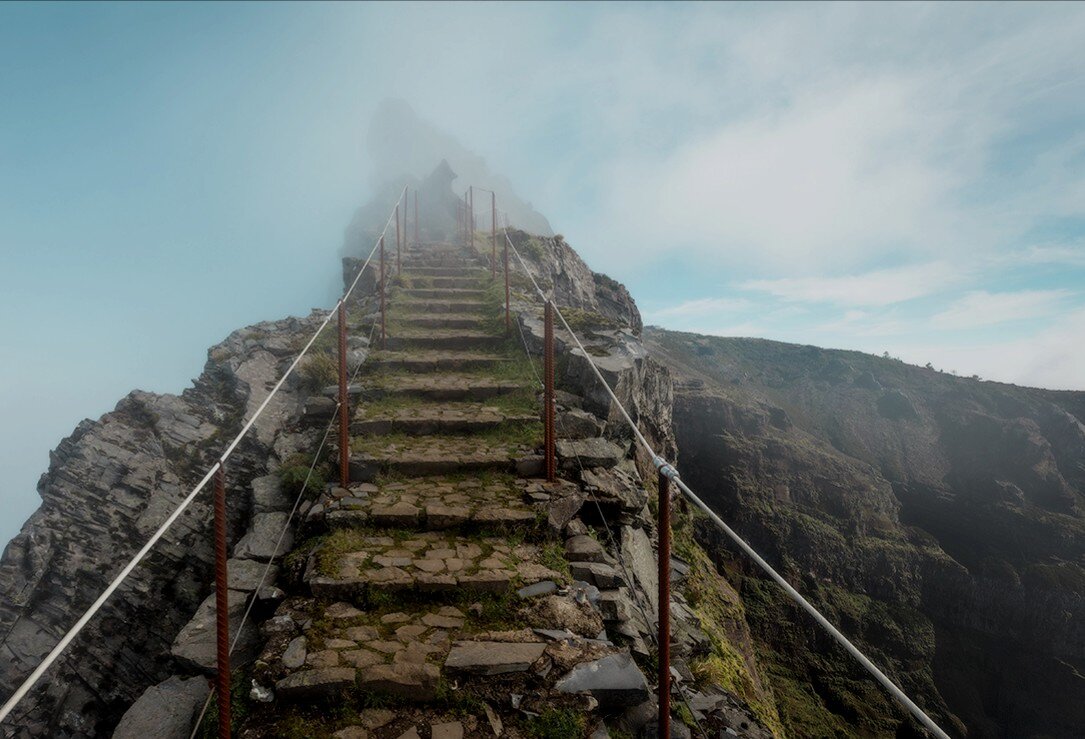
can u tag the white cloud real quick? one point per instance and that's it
(877, 288)
(982, 308)
(702, 307)
(1052, 358)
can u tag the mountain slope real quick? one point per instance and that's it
(939, 519)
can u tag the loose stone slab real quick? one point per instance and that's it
(310, 684)
(614, 680)
(597, 452)
(260, 542)
(164, 711)
(492, 658)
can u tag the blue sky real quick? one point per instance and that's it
(903, 178)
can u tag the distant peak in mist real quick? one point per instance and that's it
(405, 149)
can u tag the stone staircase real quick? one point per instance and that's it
(436, 595)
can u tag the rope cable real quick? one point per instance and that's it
(63, 643)
(672, 473)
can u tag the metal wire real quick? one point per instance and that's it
(672, 473)
(61, 645)
(282, 535)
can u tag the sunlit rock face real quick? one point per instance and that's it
(939, 520)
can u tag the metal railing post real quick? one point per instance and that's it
(416, 217)
(222, 608)
(493, 250)
(508, 322)
(344, 415)
(398, 239)
(471, 214)
(548, 393)
(664, 686)
(382, 293)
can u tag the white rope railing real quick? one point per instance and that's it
(672, 473)
(61, 645)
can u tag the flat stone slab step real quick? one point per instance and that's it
(441, 306)
(435, 455)
(424, 319)
(444, 339)
(435, 418)
(432, 504)
(457, 271)
(442, 386)
(441, 293)
(478, 282)
(427, 563)
(434, 361)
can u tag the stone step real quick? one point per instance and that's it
(442, 321)
(442, 293)
(478, 282)
(436, 455)
(444, 339)
(435, 418)
(427, 563)
(434, 361)
(432, 504)
(452, 271)
(441, 306)
(442, 386)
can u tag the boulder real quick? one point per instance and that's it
(597, 452)
(164, 711)
(577, 424)
(195, 646)
(246, 574)
(640, 557)
(268, 495)
(583, 548)
(260, 542)
(614, 681)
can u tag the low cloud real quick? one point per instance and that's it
(982, 308)
(877, 288)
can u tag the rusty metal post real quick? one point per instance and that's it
(548, 393)
(493, 250)
(508, 322)
(471, 214)
(416, 217)
(664, 691)
(344, 414)
(382, 292)
(399, 237)
(222, 607)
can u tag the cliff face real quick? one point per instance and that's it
(938, 519)
(108, 487)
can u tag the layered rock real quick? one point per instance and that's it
(939, 520)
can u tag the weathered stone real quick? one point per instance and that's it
(167, 710)
(352, 732)
(597, 452)
(492, 658)
(406, 680)
(360, 658)
(448, 730)
(600, 574)
(583, 548)
(315, 684)
(295, 653)
(268, 495)
(196, 645)
(640, 557)
(577, 424)
(248, 574)
(545, 587)
(614, 681)
(262, 540)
